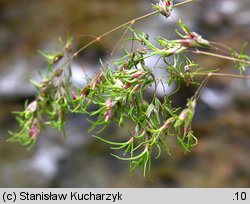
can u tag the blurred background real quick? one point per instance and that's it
(222, 122)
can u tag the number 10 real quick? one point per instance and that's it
(241, 196)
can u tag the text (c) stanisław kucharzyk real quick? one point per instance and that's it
(71, 196)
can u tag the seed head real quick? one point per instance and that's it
(167, 124)
(108, 115)
(109, 103)
(58, 72)
(165, 7)
(74, 95)
(183, 114)
(32, 107)
(35, 129)
(126, 86)
(137, 74)
(189, 43)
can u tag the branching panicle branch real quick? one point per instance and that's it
(118, 91)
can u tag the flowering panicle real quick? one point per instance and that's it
(121, 92)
